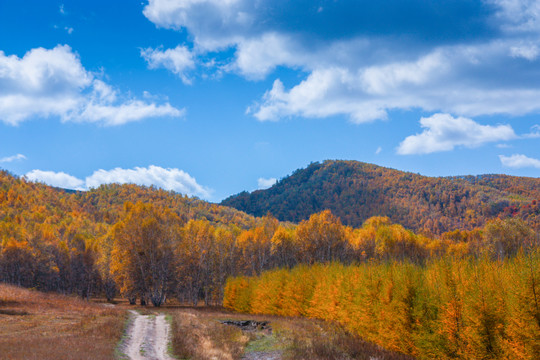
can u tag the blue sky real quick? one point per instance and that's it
(213, 97)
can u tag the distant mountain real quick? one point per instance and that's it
(355, 191)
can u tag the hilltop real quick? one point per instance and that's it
(355, 191)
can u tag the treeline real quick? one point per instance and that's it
(150, 245)
(449, 308)
(355, 191)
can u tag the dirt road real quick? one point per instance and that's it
(147, 337)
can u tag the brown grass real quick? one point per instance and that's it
(198, 335)
(35, 325)
(318, 340)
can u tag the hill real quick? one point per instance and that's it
(355, 191)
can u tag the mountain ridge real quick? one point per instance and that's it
(355, 191)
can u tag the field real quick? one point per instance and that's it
(199, 335)
(35, 325)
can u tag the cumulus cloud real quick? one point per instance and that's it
(444, 132)
(363, 60)
(58, 179)
(53, 83)
(266, 183)
(178, 60)
(9, 159)
(165, 178)
(168, 179)
(519, 161)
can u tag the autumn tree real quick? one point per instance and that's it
(256, 245)
(142, 253)
(194, 256)
(322, 238)
(284, 247)
(16, 263)
(503, 238)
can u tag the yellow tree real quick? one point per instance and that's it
(284, 249)
(322, 238)
(142, 255)
(256, 245)
(194, 253)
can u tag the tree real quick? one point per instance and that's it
(322, 238)
(142, 253)
(504, 238)
(194, 254)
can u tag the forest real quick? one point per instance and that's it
(356, 191)
(149, 244)
(465, 293)
(449, 308)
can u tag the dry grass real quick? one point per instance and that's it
(198, 335)
(318, 340)
(35, 325)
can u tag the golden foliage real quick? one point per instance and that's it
(448, 309)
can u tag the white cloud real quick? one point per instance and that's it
(168, 179)
(443, 80)
(535, 132)
(518, 15)
(257, 57)
(320, 95)
(519, 161)
(69, 30)
(58, 179)
(529, 52)
(365, 74)
(178, 60)
(213, 21)
(444, 132)
(387, 78)
(53, 83)
(132, 110)
(266, 183)
(9, 159)
(378, 151)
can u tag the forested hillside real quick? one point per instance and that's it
(355, 191)
(152, 244)
(64, 241)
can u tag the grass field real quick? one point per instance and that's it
(199, 335)
(35, 325)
